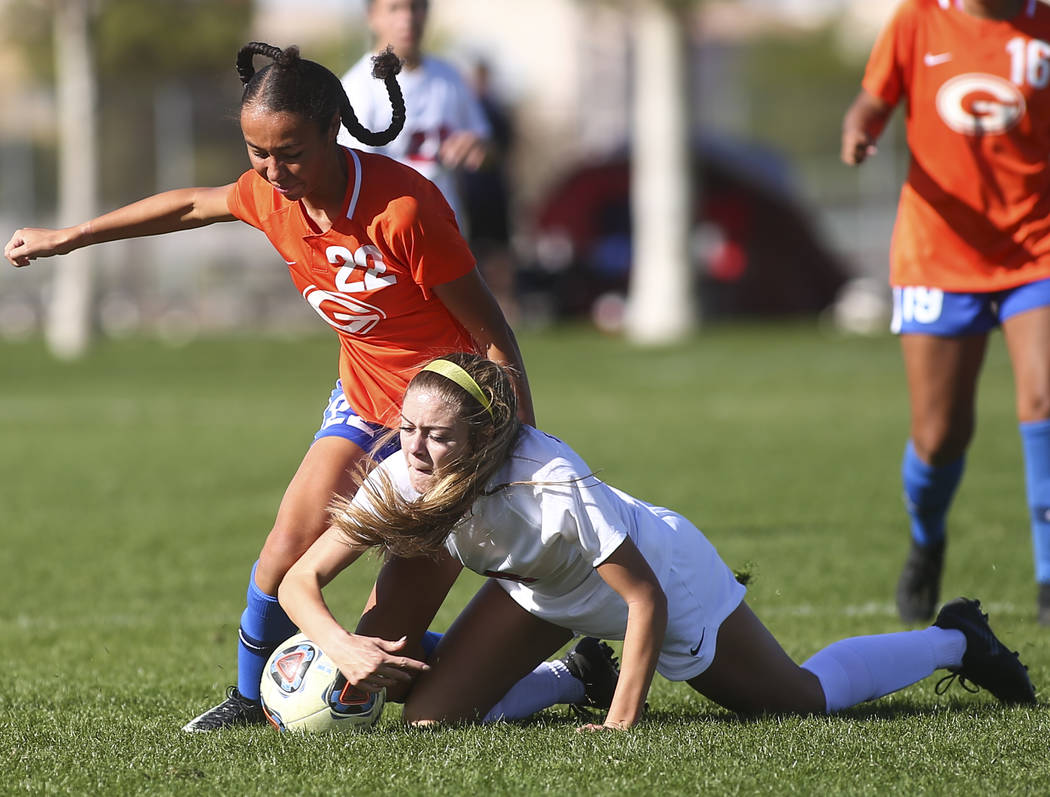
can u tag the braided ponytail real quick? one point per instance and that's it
(245, 67)
(303, 87)
(385, 66)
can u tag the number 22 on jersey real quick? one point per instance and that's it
(363, 270)
(369, 259)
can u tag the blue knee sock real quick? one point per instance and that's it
(264, 626)
(1035, 439)
(430, 641)
(928, 492)
(862, 668)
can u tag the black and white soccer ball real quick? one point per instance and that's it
(302, 690)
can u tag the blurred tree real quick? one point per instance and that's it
(661, 305)
(135, 40)
(69, 313)
(108, 59)
(798, 84)
(139, 49)
(159, 54)
(164, 39)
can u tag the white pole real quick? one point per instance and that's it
(661, 307)
(69, 317)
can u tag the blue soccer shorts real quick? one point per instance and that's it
(341, 420)
(931, 311)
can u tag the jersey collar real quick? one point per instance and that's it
(355, 181)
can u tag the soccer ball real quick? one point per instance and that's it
(302, 690)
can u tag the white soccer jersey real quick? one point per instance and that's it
(438, 102)
(543, 539)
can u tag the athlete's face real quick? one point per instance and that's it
(290, 152)
(399, 23)
(432, 435)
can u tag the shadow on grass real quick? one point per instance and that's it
(960, 705)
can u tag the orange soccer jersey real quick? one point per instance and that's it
(974, 213)
(370, 276)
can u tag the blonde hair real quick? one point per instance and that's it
(419, 527)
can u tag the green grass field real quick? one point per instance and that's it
(136, 487)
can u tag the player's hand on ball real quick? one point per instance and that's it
(302, 690)
(370, 663)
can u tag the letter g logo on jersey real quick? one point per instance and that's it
(977, 104)
(346, 314)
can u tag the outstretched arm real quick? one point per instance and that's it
(861, 127)
(627, 572)
(368, 663)
(472, 304)
(181, 209)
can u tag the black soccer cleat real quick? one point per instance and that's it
(986, 663)
(1043, 604)
(592, 661)
(919, 587)
(235, 710)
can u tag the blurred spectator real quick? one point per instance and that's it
(486, 195)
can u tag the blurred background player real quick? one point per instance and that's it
(445, 128)
(374, 249)
(487, 198)
(970, 250)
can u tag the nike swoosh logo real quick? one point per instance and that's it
(933, 59)
(694, 651)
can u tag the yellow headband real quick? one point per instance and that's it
(450, 370)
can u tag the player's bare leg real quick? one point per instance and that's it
(404, 601)
(493, 644)
(942, 377)
(942, 388)
(326, 470)
(752, 674)
(1028, 340)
